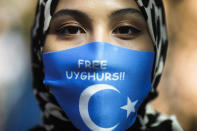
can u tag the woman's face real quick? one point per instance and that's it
(77, 22)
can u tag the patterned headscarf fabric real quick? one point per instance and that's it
(54, 118)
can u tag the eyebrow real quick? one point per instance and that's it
(75, 13)
(80, 14)
(126, 11)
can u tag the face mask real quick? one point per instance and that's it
(99, 86)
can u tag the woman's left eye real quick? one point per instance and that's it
(126, 30)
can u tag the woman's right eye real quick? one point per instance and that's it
(70, 30)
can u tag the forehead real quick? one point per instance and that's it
(96, 6)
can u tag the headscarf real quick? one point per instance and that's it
(54, 118)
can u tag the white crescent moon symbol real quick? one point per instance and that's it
(83, 105)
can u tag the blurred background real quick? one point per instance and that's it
(178, 87)
(18, 108)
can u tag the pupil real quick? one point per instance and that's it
(124, 30)
(73, 30)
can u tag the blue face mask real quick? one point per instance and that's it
(99, 86)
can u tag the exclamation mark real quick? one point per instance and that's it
(120, 75)
(123, 75)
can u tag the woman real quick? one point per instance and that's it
(94, 63)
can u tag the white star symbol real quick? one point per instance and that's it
(130, 107)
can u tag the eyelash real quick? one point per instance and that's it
(70, 30)
(125, 32)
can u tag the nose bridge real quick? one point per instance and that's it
(100, 32)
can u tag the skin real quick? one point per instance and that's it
(119, 22)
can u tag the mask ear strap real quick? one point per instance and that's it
(41, 49)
